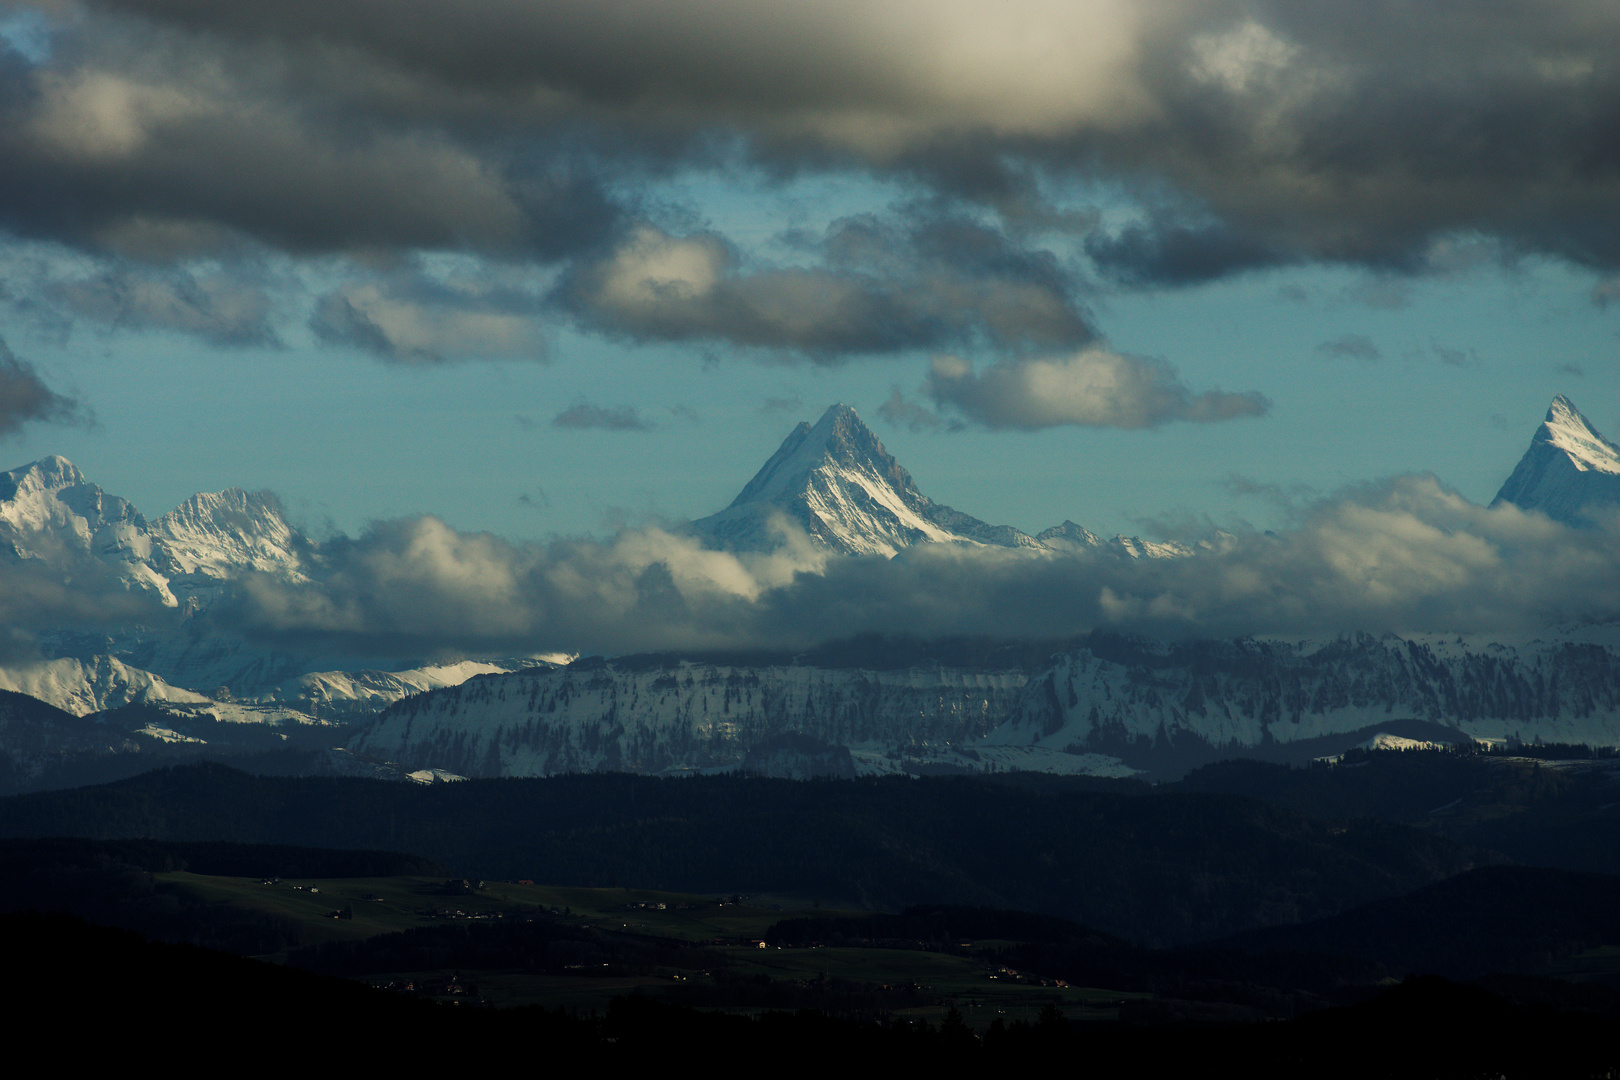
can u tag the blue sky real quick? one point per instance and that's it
(558, 270)
(345, 437)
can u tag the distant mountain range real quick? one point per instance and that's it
(50, 512)
(1101, 705)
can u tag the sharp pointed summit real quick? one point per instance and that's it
(1568, 472)
(839, 438)
(837, 483)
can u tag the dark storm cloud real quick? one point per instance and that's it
(36, 594)
(135, 138)
(1090, 388)
(1252, 134)
(879, 287)
(618, 418)
(1169, 254)
(24, 397)
(1403, 555)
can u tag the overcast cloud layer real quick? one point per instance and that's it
(1282, 130)
(1251, 134)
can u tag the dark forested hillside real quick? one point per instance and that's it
(1545, 812)
(1151, 867)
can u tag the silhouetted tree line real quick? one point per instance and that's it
(1493, 919)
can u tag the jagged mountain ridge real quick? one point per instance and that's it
(50, 512)
(52, 516)
(220, 534)
(1568, 471)
(1102, 705)
(837, 483)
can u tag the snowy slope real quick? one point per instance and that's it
(1115, 695)
(277, 685)
(51, 513)
(836, 482)
(90, 685)
(82, 687)
(1568, 471)
(336, 694)
(220, 534)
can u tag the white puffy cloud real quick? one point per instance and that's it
(1406, 556)
(1094, 388)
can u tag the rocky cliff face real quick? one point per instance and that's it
(1117, 694)
(670, 716)
(1109, 700)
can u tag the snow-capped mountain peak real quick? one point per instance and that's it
(222, 532)
(1572, 433)
(838, 440)
(50, 512)
(837, 482)
(1569, 471)
(50, 473)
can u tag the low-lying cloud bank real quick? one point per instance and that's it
(1403, 555)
